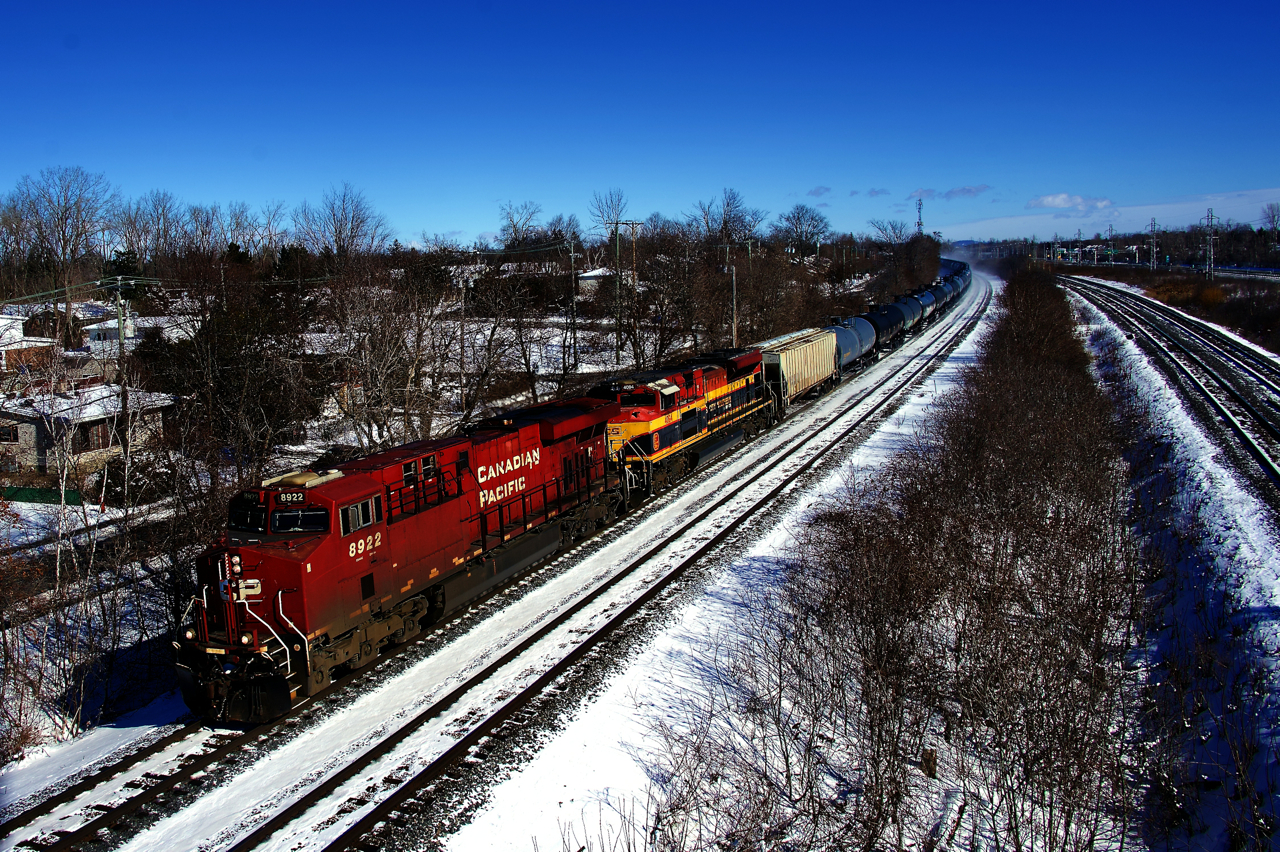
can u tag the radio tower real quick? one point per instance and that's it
(919, 217)
(1153, 242)
(1210, 223)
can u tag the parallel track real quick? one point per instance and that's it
(1238, 383)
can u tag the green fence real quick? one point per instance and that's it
(16, 494)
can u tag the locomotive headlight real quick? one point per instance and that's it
(191, 633)
(235, 569)
(235, 560)
(246, 638)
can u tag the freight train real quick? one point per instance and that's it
(320, 569)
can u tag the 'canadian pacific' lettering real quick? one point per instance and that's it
(529, 458)
(489, 496)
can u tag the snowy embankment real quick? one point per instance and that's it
(1230, 514)
(1138, 291)
(592, 775)
(1211, 686)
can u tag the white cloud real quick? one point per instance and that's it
(818, 191)
(1244, 206)
(922, 193)
(874, 192)
(1065, 201)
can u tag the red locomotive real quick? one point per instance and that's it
(319, 570)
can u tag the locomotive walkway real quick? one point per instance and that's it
(337, 782)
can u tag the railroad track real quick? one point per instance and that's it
(1239, 384)
(595, 619)
(518, 675)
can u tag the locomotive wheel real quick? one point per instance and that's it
(367, 654)
(320, 678)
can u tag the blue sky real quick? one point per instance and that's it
(1009, 119)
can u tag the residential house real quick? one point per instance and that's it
(81, 425)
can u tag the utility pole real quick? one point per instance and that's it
(919, 217)
(1111, 244)
(122, 420)
(1211, 236)
(1153, 243)
(617, 281)
(462, 339)
(732, 269)
(573, 305)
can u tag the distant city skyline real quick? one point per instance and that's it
(1007, 123)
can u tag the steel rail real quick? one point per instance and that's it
(1268, 465)
(115, 814)
(1238, 351)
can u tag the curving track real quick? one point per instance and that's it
(1240, 385)
(369, 759)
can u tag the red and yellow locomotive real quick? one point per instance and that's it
(320, 569)
(675, 419)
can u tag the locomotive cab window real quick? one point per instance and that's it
(361, 515)
(637, 399)
(300, 520)
(410, 470)
(246, 514)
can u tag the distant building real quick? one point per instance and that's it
(82, 422)
(19, 352)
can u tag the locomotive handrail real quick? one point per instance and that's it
(306, 643)
(288, 664)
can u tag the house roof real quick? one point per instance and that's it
(79, 406)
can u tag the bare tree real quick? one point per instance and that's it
(272, 230)
(344, 225)
(519, 223)
(562, 227)
(801, 226)
(892, 232)
(67, 209)
(1271, 216)
(607, 208)
(727, 219)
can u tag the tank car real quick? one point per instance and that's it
(888, 321)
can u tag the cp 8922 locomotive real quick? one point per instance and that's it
(319, 569)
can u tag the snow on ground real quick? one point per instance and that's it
(1138, 291)
(42, 522)
(51, 764)
(593, 769)
(1248, 553)
(285, 772)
